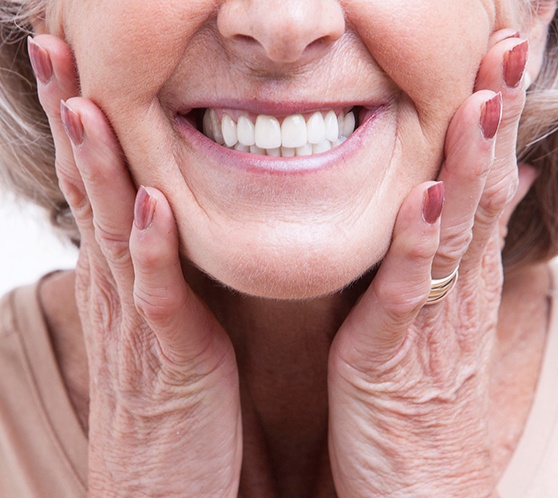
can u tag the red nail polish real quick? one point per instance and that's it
(433, 203)
(515, 62)
(144, 209)
(72, 123)
(40, 61)
(491, 115)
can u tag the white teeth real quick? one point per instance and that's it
(267, 136)
(254, 149)
(288, 151)
(294, 131)
(275, 152)
(305, 150)
(349, 124)
(241, 148)
(316, 128)
(245, 131)
(228, 127)
(323, 146)
(331, 126)
(268, 132)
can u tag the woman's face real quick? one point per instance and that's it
(281, 226)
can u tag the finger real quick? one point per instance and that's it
(54, 67)
(527, 175)
(503, 68)
(53, 63)
(107, 182)
(501, 35)
(378, 324)
(183, 325)
(470, 145)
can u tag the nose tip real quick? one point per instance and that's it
(283, 31)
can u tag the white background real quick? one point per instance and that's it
(28, 247)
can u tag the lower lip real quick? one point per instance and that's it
(255, 163)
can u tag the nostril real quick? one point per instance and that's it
(245, 38)
(321, 44)
(317, 43)
(288, 31)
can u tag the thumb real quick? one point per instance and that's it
(378, 324)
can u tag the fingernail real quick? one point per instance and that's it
(144, 209)
(40, 61)
(433, 203)
(72, 123)
(515, 62)
(491, 115)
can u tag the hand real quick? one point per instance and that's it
(409, 383)
(164, 399)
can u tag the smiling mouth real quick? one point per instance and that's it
(289, 136)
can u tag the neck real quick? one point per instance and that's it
(282, 350)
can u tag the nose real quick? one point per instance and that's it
(283, 31)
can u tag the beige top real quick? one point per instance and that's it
(43, 450)
(533, 469)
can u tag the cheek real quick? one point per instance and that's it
(431, 50)
(126, 50)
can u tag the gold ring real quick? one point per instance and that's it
(441, 287)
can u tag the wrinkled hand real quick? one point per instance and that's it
(164, 404)
(409, 383)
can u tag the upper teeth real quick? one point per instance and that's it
(294, 136)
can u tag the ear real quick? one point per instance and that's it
(543, 13)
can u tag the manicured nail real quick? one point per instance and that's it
(491, 115)
(72, 123)
(40, 61)
(144, 208)
(433, 203)
(515, 62)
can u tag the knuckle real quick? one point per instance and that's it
(114, 247)
(454, 245)
(74, 195)
(495, 199)
(156, 305)
(148, 256)
(489, 211)
(96, 174)
(401, 311)
(423, 250)
(400, 303)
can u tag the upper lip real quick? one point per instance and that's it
(278, 108)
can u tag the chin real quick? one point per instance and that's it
(300, 274)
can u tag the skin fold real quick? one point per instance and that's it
(267, 332)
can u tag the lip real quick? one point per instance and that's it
(276, 108)
(255, 163)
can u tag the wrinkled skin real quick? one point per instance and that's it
(166, 417)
